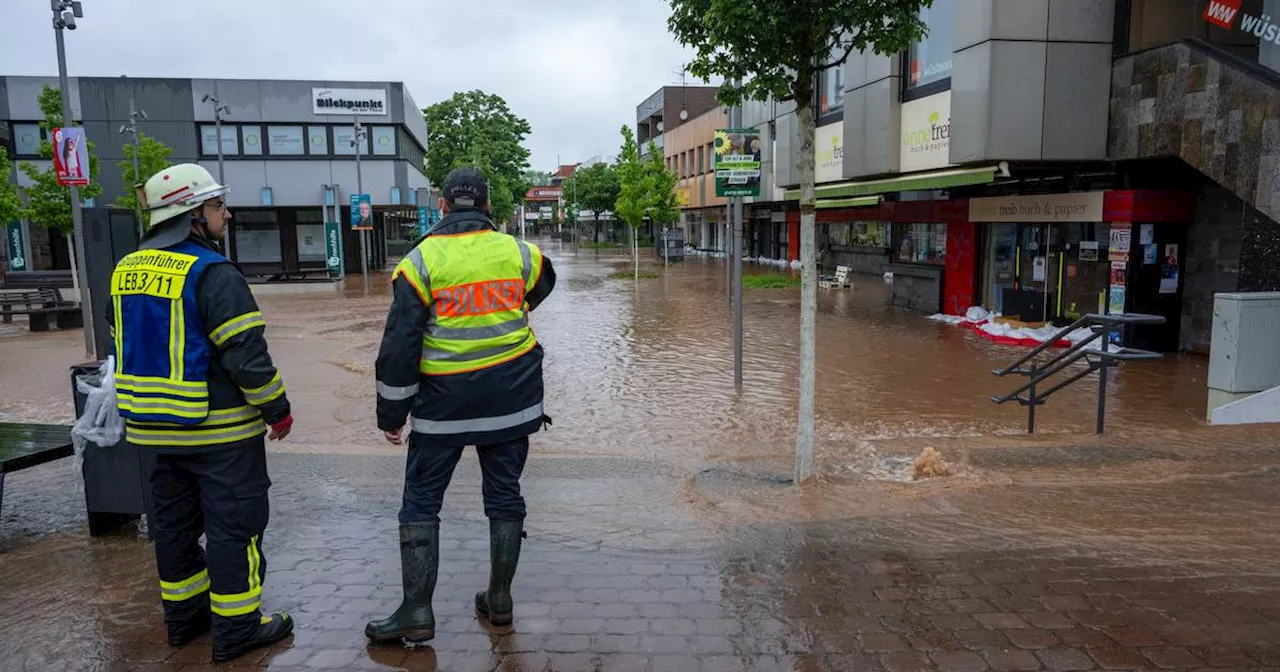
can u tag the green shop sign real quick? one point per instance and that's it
(333, 249)
(16, 247)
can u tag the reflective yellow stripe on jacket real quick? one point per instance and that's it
(475, 284)
(222, 426)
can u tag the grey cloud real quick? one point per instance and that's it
(575, 70)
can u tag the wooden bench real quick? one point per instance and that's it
(38, 279)
(39, 305)
(23, 446)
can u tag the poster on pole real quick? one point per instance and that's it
(16, 246)
(71, 156)
(424, 221)
(737, 160)
(333, 249)
(361, 212)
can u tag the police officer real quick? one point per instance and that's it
(460, 362)
(197, 388)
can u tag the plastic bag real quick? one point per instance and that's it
(101, 422)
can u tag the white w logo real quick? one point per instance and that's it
(1221, 13)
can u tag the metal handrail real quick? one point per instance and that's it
(1102, 359)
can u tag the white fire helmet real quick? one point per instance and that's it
(177, 190)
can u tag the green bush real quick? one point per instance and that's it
(770, 281)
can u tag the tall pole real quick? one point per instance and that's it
(137, 177)
(356, 137)
(728, 251)
(77, 218)
(736, 122)
(218, 110)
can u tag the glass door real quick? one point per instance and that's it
(1000, 270)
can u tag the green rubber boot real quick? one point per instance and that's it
(413, 622)
(494, 604)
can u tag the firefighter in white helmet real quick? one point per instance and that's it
(197, 388)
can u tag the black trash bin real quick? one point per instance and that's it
(117, 478)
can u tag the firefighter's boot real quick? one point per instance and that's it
(494, 605)
(413, 622)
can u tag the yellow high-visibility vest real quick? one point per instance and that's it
(474, 285)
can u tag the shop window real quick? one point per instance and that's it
(209, 140)
(1246, 28)
(929, 60)
(285, 141)
(318, 140)
(252, 137)
(869, 234)
(257, 236)
(26, 140)
(384, 140)
(920, 243)
(342, 141)
(311, 247)
(831, 88)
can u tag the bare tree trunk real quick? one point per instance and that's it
(808, 295)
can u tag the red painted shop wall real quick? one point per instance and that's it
(962, 266)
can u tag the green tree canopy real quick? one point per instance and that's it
(635, 188)
(153, 157)
(594, 188)
(664, 203)
(473, 128)
(537, 178)
(10, 203)
(48, 203)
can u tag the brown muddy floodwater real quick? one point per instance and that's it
(644, 370)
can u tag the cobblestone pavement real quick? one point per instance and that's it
(1051, 576)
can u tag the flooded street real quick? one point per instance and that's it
(663, 534)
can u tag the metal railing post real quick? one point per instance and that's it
(1031, 397)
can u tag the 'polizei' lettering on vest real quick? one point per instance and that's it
(479, 298)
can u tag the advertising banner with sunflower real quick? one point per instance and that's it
(737, 162)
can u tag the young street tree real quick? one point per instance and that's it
(10, 203)
(153, 157)
(474, 128)
(635, 186)
(48, 203)
(664, 203)
(595, 190)
(776, 49)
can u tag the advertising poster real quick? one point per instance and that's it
(1088, 250)
(1121, 241)
(1148, 254)
(333, 249)
(1039, 269)
(737, 163)
(1115, 304)
(361, 212)
(1147, 235)
(16, 246)
(1169, 270)
(71, 156)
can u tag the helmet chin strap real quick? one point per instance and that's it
(202, 229)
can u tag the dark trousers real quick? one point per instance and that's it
(429, 469)
(221, 493)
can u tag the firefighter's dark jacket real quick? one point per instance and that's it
(494, 391)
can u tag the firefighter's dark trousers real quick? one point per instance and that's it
(221, 493)
(429, 469)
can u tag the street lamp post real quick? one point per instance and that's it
(357, 137)
(131, 129)
(65, 14)
(219, 109)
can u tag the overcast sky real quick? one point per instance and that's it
(574, 69)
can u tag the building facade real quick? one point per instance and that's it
(288, 155)
(1049, 159)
